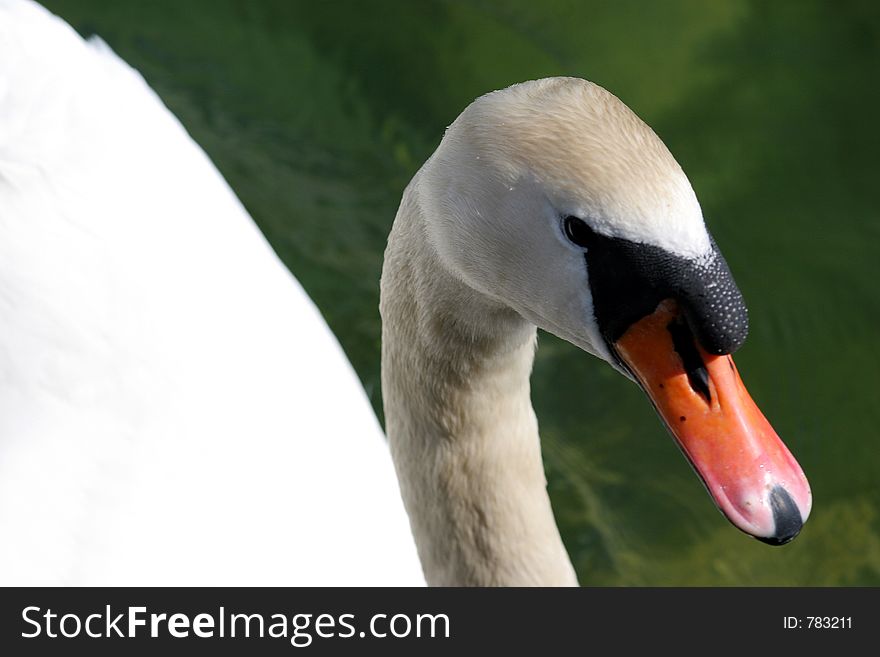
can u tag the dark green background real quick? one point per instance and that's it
(318, 113)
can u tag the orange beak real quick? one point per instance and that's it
(751, 475)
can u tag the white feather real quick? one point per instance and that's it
(173, 408)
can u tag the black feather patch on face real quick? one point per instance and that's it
(628, 280)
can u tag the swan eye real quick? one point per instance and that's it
(577, 231)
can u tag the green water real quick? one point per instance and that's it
(318, 113)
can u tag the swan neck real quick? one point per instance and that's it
(462, 432)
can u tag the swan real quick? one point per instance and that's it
(173, 408)
(549, 204)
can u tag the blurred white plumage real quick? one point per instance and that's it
(173, 408)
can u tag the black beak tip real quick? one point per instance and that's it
(779, 540)
(786, 516)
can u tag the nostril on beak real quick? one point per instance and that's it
(786, 516)
(683, 342)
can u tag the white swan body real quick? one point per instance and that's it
(173, 408)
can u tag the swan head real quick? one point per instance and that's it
(553, 198)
